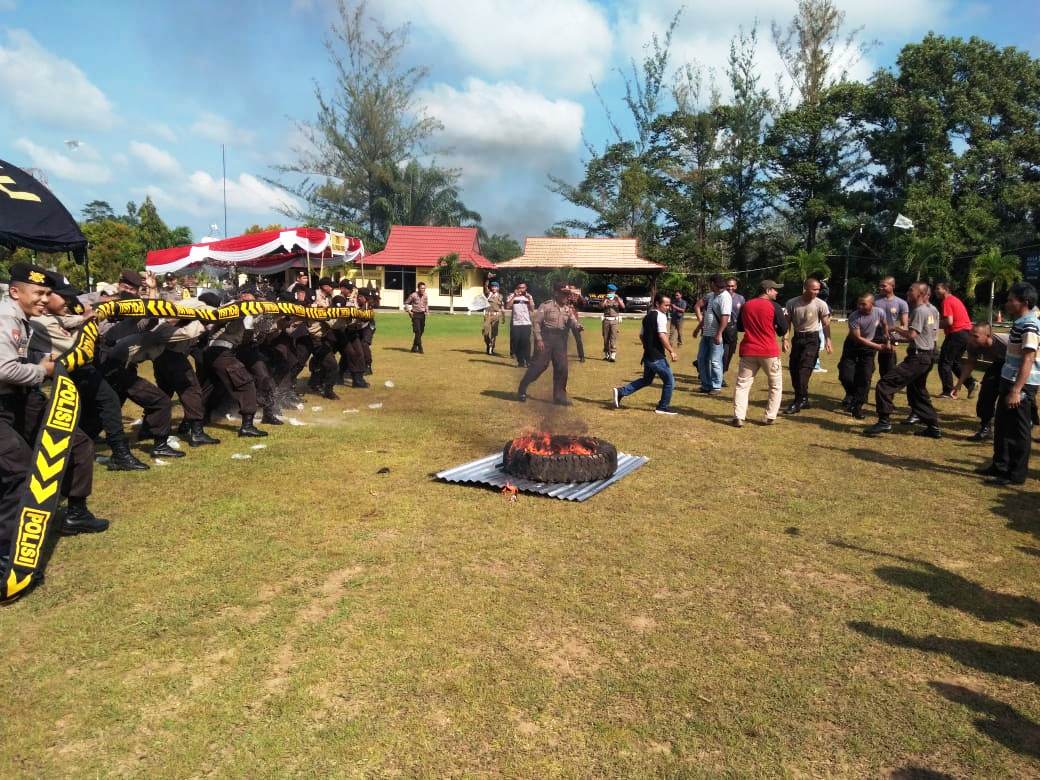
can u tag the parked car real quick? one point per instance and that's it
(636, 298)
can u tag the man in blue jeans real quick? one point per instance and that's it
(654, 335)
(715, 316)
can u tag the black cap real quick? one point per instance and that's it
(210, 299)
(61, 286)
(26, 273)
(324, 281)
(346, 283)
(337, 301)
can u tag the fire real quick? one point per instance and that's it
(541, 443)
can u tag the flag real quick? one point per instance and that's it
(903, 223)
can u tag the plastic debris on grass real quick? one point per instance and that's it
(159, 462)
(375, 406)
(351, 411)
(241, 456)
(389, 383)
(294, 421)
(317, 408)
(258, 447)
(174, 442)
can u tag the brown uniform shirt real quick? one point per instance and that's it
(420, 304)
(552, 316)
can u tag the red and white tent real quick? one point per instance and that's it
(268, 252)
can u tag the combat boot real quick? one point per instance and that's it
(248, 430)
(197, 436)
(80, 520)
(123, 460)
(184, 428)
(269, 417)
(162, 449)
(359, 379)
(329, 393)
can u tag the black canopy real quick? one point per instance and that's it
(32, 217)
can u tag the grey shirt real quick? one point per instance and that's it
(807, 317)
(893, 309)
(867, 324)
(996, 352)
(924, 320)
(15, 372)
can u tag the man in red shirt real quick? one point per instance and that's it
(761, 319)
(956, 324)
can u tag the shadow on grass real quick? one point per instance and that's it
(397, 349)
(469, 351)
(915, 772)
(501, 395)
(1000, 722)
(947, 589)
(503, 362)
(1019, 508)
(1029, 550)
(901, 462)
(1017, 663)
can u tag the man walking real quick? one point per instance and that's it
(807, 315)
(1016, 399)
(656, 345)
(867, 337)
(956, 324)
(679, 305)
(715, 316)
(762, 320)
(492, 316)
(913, 372)
(612, 308)
(520, 305)
(729, 336)
(550, 323)
(992, 347)
(897, 314)
(417, 306)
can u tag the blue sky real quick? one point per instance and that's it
(151, 89)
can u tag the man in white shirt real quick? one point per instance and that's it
(715, 316)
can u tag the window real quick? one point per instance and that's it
(394, 279)
(445, 282)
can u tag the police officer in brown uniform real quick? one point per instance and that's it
(417, 306)
(222, 369)
(23, 407)
(175, 375)
(492, 316)
(612, 308)
(550, 323)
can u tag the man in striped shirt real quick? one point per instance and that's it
(1016, 400)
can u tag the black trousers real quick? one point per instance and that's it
(950, 355)
(989, 389)
(224, 372)
(155, 403)
(367, 334)
(323, 366)
(520, 343)
(175, 376)
(855, 371)
(912, 374)
(555, 352)
(1011, 436)
(100, 407)
(730, 337)
(805, 348)
(418, 328)
(579, 343)
(254, 359)
(21, 415)
(886, 361)
(351, 352)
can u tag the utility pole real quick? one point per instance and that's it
(223, 176)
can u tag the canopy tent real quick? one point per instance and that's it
(267, 252)
(32, 217)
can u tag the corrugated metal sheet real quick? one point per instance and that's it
(488, 471)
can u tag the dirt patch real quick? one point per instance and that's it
(567, 656)
(642, 624)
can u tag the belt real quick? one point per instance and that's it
(806, 334)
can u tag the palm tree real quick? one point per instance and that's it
(455, 270)
(928, 257)
(419, 195)
(1000, 270)
(568, 275)
(805, 263)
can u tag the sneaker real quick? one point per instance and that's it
(714, 393)
(985, 433)
(929, 432)
(616, 394)
(945, 397)
(736, 422)
(667, 410)
(878, 428)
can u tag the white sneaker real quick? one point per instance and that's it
(616, 393)
(820, 370)
(669, 411)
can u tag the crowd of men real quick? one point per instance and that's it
(248, 363)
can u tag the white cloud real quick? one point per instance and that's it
(201, 195)
(38, 85)
(559, 42)
(154, 159)
(85, 171)
(163, 131)
(221, 130)
(491, 127)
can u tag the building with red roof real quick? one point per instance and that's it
(411, 256)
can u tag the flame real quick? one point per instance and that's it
(541, 443)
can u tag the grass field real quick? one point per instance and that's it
(790, 601)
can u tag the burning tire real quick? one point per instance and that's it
(548, 458)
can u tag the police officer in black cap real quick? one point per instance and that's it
(23, 407)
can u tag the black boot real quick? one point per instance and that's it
(359, 380)
(184, 428)
(162, 449)
(269, 417)
(123, 460)
(248, 430)
(197, 436)
(985, 433)
(881, 426)
(913, 419)
(329, 393)
(368, 370)
(80, 520)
